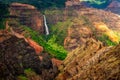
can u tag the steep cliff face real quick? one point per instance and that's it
(95, 15)
(91, 61)
(18, 56)
(92, 23)
(27, 15)
(77, 35)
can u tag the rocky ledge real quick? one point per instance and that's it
(91, 61)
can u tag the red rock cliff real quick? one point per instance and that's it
(27, 15)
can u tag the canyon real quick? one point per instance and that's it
(72, 43)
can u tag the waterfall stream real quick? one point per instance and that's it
(46, 27)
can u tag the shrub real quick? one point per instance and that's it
(29, 72)
(3, 13)
(22, 77)
(105, 39)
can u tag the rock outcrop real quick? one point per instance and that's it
(27, 15)
(16, 55)
(77, 35)
(91, 61)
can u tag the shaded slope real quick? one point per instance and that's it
(16, 56)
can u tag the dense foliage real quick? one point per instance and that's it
(3, 12)
(60, 30)
(105, 39)
(98, 3)
(49, 45)
(41, 4)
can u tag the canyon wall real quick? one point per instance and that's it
(27, 15)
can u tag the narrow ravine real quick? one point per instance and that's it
(46, 27)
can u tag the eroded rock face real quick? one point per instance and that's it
(92, 23)
(16, 55)
(91, 61)
(27, 15)
(77, 35)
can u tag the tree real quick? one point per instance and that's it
(40, 4)
(3, 12)
(98, 3)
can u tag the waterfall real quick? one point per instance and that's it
(46, 27)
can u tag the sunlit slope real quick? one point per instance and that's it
(110, 33)
(91, 61)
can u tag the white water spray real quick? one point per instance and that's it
(46, 27)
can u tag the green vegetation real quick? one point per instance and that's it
(53, 43)
(3, 12)
(59, 21)
(118, 34)
(60, 30)
(53, 12)
(28, 73)
(54, 15)
(22, 77)
(49, 45)
(98, 3)
(105, 39)
(40, 4)
(2, 23)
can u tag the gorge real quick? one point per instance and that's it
(75, 42)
